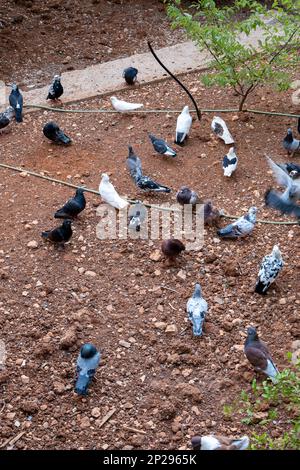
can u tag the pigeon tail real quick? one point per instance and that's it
(82, 383)
(261, 288)
(241, 444)
(60, 214)
(18, 115)
(180, 138)
(223, 232)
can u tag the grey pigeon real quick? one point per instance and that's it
(196, 308)
(241, 227)
(291, 144)
(6, 117)
(16, 101)
(292, 191)
(160, 146)
(270, 267)
(258, 355)
(130, 75)
(186, 196)
(59, 235)
(73, 206)
(87, 363)
(276, 201)
(212, 442)
(56, 89)
(145, 183)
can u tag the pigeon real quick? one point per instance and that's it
(276, 201)
(87, 362)
(219, 443)
(230, 162)
(291, 169)
(109, 194)
(187, 196)
(59, 235)
(16, 102)
(241, 227)
(55, 89)
(270, 267)
(292, 191)
(196, 308)
(73, 206)
(124, 106)
(54, 133)
(160, 146)
(136, 214)
(183, 126)
(130, 75)
(221, 130)
(291, 144)
(172, 248)
(145, 183)
(6, 117)
(258, 355)
(211, 215)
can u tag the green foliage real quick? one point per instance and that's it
(244, 66)
(276, 400)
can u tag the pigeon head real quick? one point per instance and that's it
(186, 110)
(79, 191)
(276, 252)
(88, 350)
(113, 99)
(196, 442)
(197, 290)
(130, 150)
(14, 87)
(198, 324)
(252, 213)
(252, 333)
(105, 177)
(231, 151)
(67, 223)
(56, 78)
(289, 131)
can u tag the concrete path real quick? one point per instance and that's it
(107, 77)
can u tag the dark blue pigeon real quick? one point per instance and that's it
(130, 75)
(56, 89)
(16, 101)
(160, 146)
(73, 206)
(87, 363)
(54, 133)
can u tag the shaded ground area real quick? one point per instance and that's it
(170, 387)
(39, 39)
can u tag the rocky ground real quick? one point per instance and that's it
(40, 39)
(162, 384)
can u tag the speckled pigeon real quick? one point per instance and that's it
(6, 117)
(241, 227)
(55, 89)
(270, 267)
(230, 162)
(258, 355)
(186, 196)
(87, 363)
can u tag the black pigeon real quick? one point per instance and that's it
(16, 101)
(6, 116)
(56, 89)
(87, 363)
(186, 196)
(59, 235)
(160, 146)
(275, 200)
(73, 206)
(145, 183)
(291, 169)
(53, 132)
(258, 355)
(130, 75)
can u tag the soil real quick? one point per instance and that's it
(170, 386)
(41, 39)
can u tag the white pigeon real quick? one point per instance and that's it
(109, 194)
(219, 443)
(183, 126)
(269, 269)
(230, 162)
(292, 191)
(124, 106)
(196, 308)
(221, 130)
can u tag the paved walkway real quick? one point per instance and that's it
(107, 77)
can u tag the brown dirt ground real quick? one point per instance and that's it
(39, 39)
(170, 387)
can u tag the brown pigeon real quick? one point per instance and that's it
(172, 248)
(258, 355)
